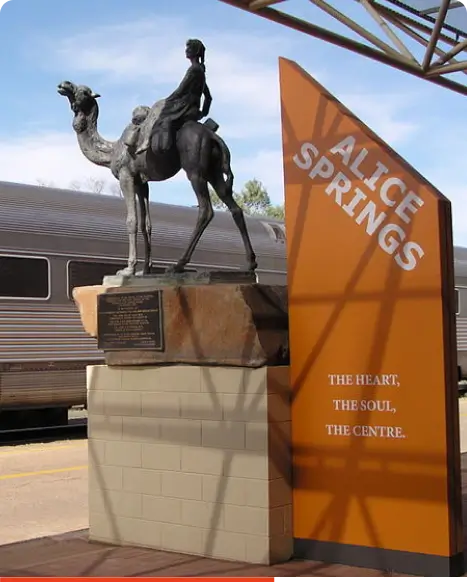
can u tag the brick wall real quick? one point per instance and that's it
(191, 459)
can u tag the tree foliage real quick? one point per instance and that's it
(253, 199)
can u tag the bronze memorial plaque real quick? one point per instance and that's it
(130, 321)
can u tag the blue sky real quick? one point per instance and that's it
(132, 52)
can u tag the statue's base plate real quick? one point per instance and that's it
(179, 279)
(229, 325)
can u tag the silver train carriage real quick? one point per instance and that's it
(53, 240)
(460, 270)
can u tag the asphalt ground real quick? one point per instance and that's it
(43, 489)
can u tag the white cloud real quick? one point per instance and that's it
(147, 58)
(47, 157)
(55, 159)
(142, 61)
(383, 113)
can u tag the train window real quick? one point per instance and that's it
(458, 299)
(24, 277)
(279, 233)
(276, 231)
(84, 273)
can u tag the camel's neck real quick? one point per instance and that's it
(97, 149)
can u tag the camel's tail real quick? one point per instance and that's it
(226, 168)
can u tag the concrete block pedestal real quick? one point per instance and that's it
(191, 459)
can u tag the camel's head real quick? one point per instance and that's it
(82, 99)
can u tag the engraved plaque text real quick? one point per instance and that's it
(130, 321)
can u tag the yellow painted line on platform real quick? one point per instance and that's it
(43, 472)
(22, 450)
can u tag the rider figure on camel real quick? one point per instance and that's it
(132, 131)
(184, 104)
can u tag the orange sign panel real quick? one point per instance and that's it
(373, 347)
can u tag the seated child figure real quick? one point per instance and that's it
(132, 131)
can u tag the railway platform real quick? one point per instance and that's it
(70, 554)
(43, 503)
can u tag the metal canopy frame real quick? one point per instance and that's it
(398, 22)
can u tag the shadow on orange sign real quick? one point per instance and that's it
(373, 348)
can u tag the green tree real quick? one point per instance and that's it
(254, 200)
(276, 212)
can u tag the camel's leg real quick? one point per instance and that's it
(226, 195)
(146, 227)
(127, 185)
(205, 215)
